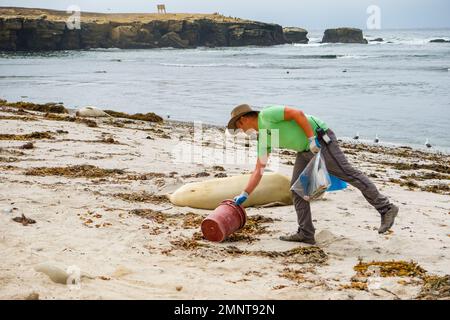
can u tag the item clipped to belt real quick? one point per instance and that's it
(323, 135)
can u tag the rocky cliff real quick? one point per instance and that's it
(38, 29)
(344, 35)
(295, 35)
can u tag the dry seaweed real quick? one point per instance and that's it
(252, 228)
(192, 220)
(279, 287)
(187, 244)
(24, 220)
(198, 236)
(20, 112)
(357, 285)
(405, 183)
(391, 268)
(435, 287)
(156, 216)
(442, 168)
(90, 123)
(196, 175)
(402, 152)
(79, 171)
(293, 275)
(9, 167)
(441, 188)
(382, 269)
(145, 176)
(59, 117)
(142, 197)
(437, 188)
(47, 107)
(311, 254)
(8, 159)
(29, 136)
(17, 118)
(237, 236)
(11, 152)
(427, 176)
(151, 117)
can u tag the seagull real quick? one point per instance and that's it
(357, 136)
(376, 139)
(427, 144)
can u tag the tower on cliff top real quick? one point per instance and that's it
(161, 8)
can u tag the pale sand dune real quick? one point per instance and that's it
(131, 257)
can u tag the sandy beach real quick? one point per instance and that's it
(96, 191)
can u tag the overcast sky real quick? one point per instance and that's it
(311, 14)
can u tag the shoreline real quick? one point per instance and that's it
(436, 150)
(381, 145)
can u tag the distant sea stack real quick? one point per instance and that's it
(344, 35)
(439, 41)
(296, 35)
(39, 29)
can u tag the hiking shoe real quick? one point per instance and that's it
(298, 237)
(387, 219)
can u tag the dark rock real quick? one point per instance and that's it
(259, 34)
(439, 41)
(377, 40)
(296, 35)
(95, 35)
(344, 35)
(12, 23)
(172, 39)
(132, 36)
(39, 33)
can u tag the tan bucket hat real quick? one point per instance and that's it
(238, 112)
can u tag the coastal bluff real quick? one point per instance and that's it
(344, 35)
(23, 29)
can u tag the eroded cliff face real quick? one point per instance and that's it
(296, 35)
(42, 33)
(344, 35)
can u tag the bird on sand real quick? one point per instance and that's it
(428, 144)
(357, 136)
(376, 139)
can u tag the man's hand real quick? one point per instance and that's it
(240, 199)
(314, 145)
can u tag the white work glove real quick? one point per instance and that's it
(314, 145)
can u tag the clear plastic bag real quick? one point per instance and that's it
(314, 179)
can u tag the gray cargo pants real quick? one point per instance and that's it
(337, 165)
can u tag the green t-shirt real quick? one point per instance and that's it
(290, 134)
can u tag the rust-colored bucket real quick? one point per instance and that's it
(226, 219)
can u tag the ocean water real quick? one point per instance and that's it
(398, 89)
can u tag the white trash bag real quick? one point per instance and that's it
(314, 179)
